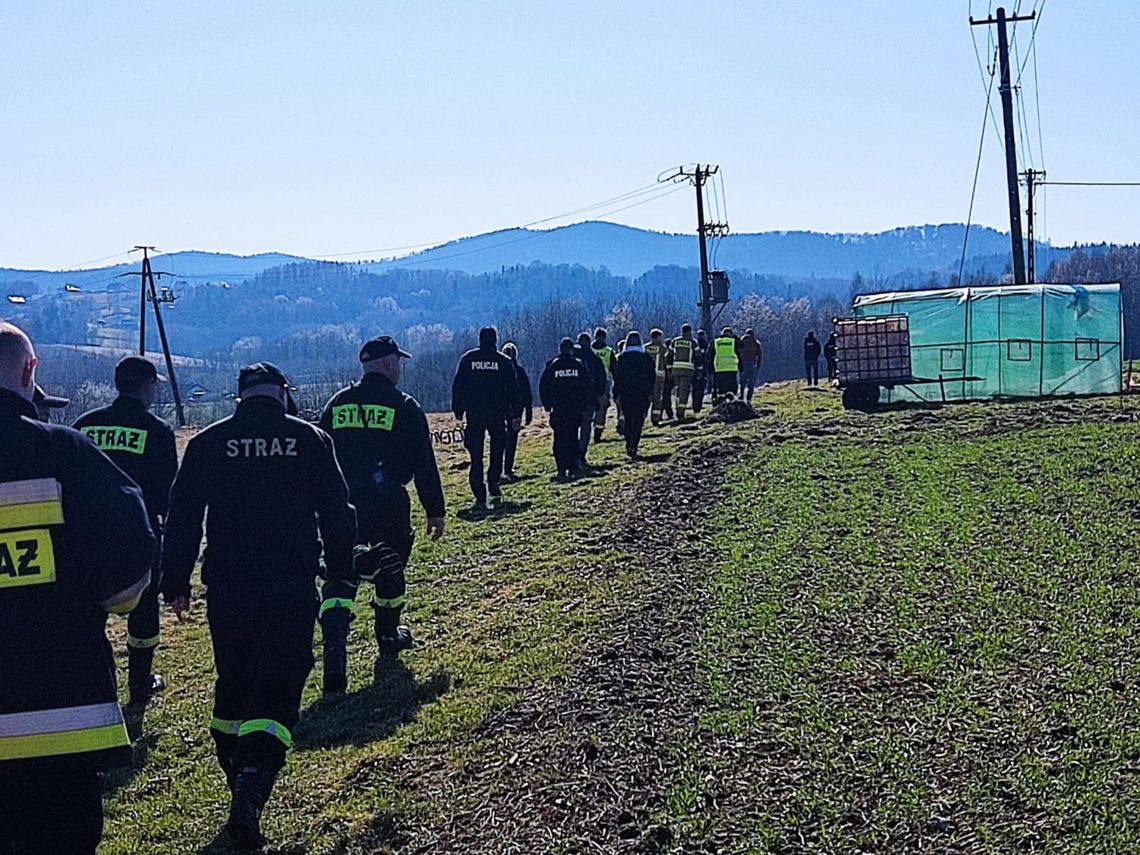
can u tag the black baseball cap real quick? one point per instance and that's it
(42, 400)
(259, 374)
(380, 347)
(133, 370)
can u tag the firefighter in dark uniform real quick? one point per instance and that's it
(75, 544)
(566, 389)
(486, 392)
(383, 443)
(273, 492)
(142, 445)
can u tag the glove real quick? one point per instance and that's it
(376, 560)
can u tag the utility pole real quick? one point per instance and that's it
(698, 175)
(147, 291)
(1032, 178)
(1006, 91)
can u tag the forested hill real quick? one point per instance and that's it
(630, 252)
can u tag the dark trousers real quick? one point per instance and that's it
(49, 807)
(586, 428)
(566, 425)
(634, 412)
(832, 369)
(263, 653)
(143, 635)
(510, 449)
(382, 519)
(698, 391)
(724, 383)
(811, 366)
(480, 426)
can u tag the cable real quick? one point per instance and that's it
(974, 191)
(1091, 183)
(640, 191)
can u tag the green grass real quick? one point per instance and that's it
(926, 639)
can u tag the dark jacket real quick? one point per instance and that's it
(74, 542)
(566, 385)
(634, 376)
(830, 348)
(526, 395)
(139, 443)
(382, 438)
(485, 385)
(598, 377)
(267, 482)
(811, 348)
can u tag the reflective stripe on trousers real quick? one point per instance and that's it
(65, 730)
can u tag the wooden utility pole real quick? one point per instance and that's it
(1032, 178)
(147, 291)
(699, 175)
(1006, 91)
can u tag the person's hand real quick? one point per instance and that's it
(435, 526)
(516, 425)
(180, 605)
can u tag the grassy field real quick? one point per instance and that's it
(817, 631)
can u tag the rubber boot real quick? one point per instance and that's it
(142, 685)
(391, 637)
(250, 793)
(334, 632)
(224, 747)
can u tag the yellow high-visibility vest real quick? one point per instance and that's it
(725, 360)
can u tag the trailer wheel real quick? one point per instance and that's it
(860, 396)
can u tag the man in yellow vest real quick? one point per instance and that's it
(608, 356)
(75, 544)
(725, 365)
(659, 352)
(684, 367)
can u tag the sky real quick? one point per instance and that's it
(349, 129)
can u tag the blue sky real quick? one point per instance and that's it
(336, 128)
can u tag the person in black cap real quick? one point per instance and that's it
(274, 498)
(566, 389)
(142, 445)
(45, 403)
(523, 414)
(486, 392)
(382, 442)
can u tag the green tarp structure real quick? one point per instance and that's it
(1020, 341)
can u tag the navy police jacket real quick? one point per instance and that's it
(272, 491)
(485, 385)
(566, 385)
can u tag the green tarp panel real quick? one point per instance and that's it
(1022, 341)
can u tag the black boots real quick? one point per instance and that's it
(142, 685)
(334, 630)
(391, 637)
(251, 791)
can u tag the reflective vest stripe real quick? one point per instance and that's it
(30, 504)
(66, 730)
(725, 360)
(606, 354)
(682, 354)
(267, 725)
(334, 603)
(393, 603)
(225, 725)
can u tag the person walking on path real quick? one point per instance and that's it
(598, 380)
(523, 414)
(634, 379)
(78, 542)
(831, 354)
(659, 353)
(701, 372)
(725, 365)
(142, 445)
(751, 357)
(684, 368)
(565, 389)
(811, 358)
(275, 500)
(382, 443)
(486, 391)
(608, 356)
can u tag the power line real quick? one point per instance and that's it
(1092, 183)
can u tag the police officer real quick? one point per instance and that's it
(565, 390)
(75, 544)
(269, 483)
(142, 445)
(383, 443)
(598, 381)
(486, 392)
(608, 356)
(523, 414)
